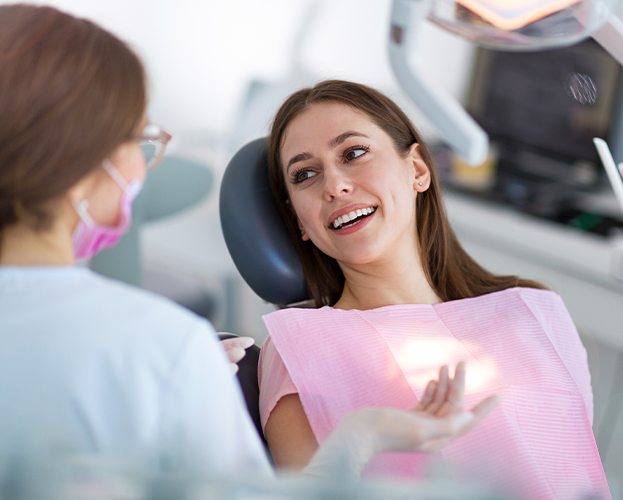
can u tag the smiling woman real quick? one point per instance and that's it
(362, 159)
(397, 296)
(365, 133)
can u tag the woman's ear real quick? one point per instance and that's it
(421, 172)
(304, 235)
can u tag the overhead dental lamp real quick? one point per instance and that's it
(519, 25)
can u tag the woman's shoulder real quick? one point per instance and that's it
(306, 320)
(537, 298)
(504, 296)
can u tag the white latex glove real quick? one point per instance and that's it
(366, 432)
(235, 349)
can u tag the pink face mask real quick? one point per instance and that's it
(89, 237)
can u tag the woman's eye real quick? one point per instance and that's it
(302, 175)
(355, 152)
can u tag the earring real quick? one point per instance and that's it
(420, 183)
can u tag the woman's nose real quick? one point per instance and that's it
(336, 183)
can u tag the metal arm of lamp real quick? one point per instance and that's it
(581, 18)
(459, 129)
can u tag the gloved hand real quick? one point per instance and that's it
(437, 419)
(235, 349)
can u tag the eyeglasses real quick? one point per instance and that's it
(153, 143)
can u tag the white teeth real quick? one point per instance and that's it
(344, 219)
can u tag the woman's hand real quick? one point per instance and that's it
(437, 419)
(440, 415)
(235, 349)
(444, 396)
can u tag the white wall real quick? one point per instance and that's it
(201, 54)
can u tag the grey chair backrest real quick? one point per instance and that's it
(254, 232)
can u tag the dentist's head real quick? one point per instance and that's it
(73, 99)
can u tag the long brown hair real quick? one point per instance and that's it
(451, 272)
(70, 93)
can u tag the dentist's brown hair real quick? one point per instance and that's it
(451, 272)
(70, 93)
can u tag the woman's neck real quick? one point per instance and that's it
(394, 281)
(21, 245)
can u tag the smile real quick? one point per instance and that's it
(351, 218)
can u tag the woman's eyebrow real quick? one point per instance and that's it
(342, 137)
(336, 141)
(297, 158)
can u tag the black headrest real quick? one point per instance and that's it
(254, 232)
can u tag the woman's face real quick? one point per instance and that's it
(352, 191)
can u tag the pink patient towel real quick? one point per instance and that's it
(519, 343)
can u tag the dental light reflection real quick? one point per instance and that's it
(514, 14)
(420, 360)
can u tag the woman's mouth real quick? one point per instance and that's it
(351, 218)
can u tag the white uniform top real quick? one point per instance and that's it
(90, 365)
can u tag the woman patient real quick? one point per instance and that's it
(396, 296)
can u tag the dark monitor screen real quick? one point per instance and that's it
(550, 102)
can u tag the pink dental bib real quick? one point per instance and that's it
(519, 343)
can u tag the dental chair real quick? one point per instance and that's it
(259, 246)
(255, 235)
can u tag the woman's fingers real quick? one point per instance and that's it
(395, 430)
(457, 386)
(445, 396)
(235, 349)
(457, 424)
(456, 390)
(441, 391)
(484, 407)
(235, 354)
(480, 411)
(241, 342)
(428, 396)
